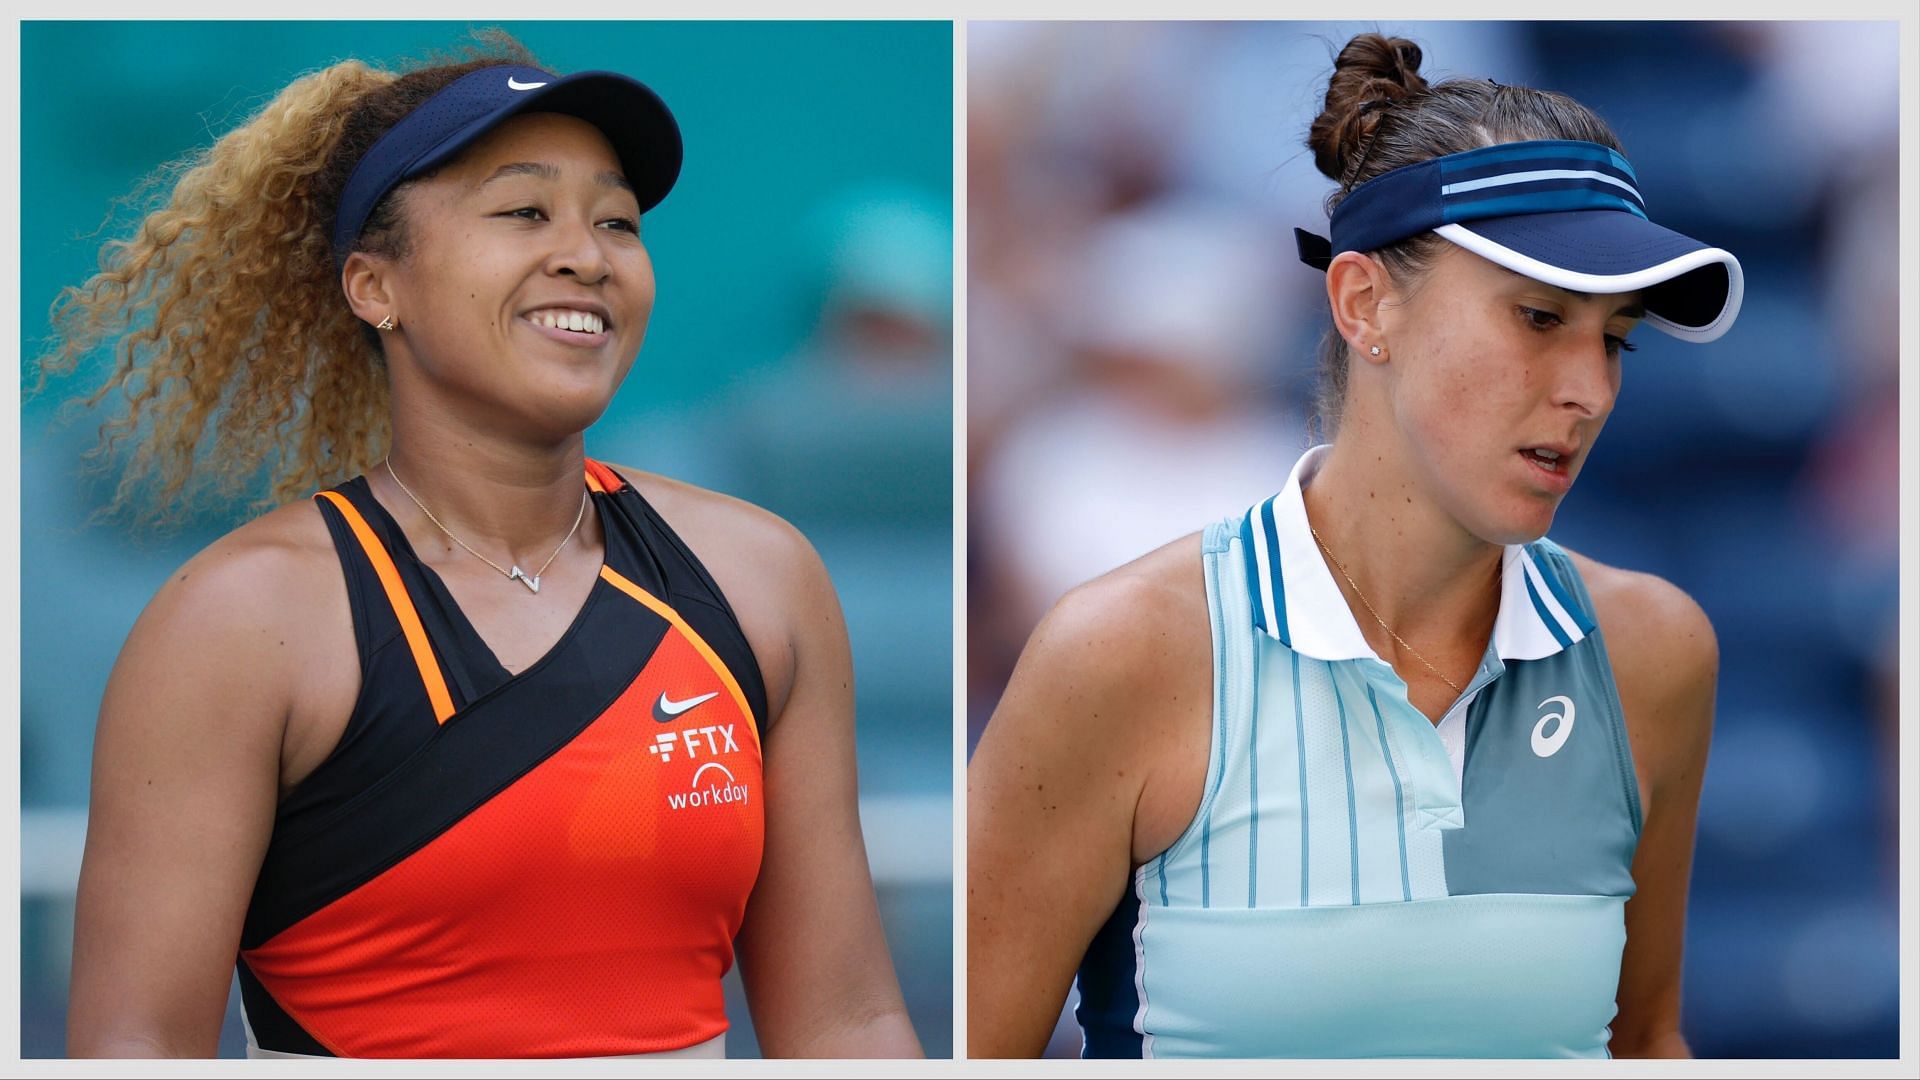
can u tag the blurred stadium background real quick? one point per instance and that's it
(1137, 322)
(798, 357)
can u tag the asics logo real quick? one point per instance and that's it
(666, 708)
(515, 84)
(1545, 745)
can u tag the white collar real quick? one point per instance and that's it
(1296, 601)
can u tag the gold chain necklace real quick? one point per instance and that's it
(532, 582)
(1376, 615)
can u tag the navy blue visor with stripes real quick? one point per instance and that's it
(1565, 212)
(632, 117)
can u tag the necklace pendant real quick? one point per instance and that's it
(532, 583)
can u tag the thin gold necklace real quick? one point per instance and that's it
(532, 582)
(1376, 615)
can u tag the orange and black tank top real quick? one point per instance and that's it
(490, 865)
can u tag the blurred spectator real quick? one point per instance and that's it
(855, 424)
(1169, 322)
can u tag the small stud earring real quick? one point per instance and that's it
(1375, 351)
(388, 324)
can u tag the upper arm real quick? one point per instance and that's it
(1059, 793)
(1665, 662)
(813, 955)
(185, 782)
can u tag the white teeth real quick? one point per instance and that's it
(1548, 454)
(583, 322)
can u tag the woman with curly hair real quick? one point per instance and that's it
(488, 749)
(1373, 768)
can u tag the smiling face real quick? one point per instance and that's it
(524, 291)
(1498, 386)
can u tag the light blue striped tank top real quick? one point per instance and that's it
(1342, 891)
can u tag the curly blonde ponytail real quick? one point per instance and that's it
(234, 348)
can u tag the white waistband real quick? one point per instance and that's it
(715, 1047)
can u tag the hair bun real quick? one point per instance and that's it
(1371, 75)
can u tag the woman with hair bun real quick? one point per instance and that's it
(488, 749)
(1374, 769)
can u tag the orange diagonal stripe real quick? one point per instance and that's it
(402, 607)
(659, 607)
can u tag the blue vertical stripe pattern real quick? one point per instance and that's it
(1219, 771)
(1525, 906)
(1300, 736)
(1253, 789)
(1216, 773)
(1253, 568)
(1346, 752)
(1206, 876)
(1399, 800)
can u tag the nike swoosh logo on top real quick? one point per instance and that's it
(515, 84)
(666, 708)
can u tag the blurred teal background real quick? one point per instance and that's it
(798, 357)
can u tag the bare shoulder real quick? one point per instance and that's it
(245, 617)
(250, 639)
(721, 528)
(1665, 662)
(1137, 628)
(1655, 632)
(1115, 689)
(269, 571)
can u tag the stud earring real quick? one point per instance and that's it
(388, 324)
(1375, 351)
